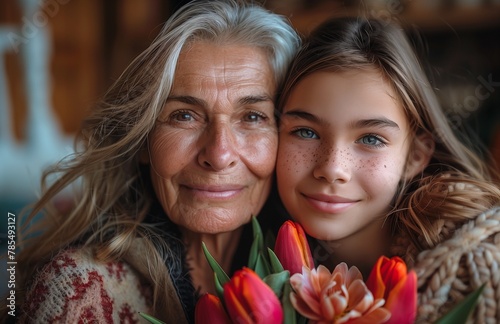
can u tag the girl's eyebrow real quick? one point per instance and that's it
(380, 122)
(302, 115)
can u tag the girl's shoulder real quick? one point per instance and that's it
(74, 286)
(459, 265)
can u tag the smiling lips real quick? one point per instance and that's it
(329, 204)
(219, 192)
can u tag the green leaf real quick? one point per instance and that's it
(275, 262)
(254, 253)
(261, 267)
(219, 272)
(289, 313)
(257, 231)
(277, 281)
(218, 288)
(257, 244)
(461, 312)
(151, 319)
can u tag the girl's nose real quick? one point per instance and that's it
(333, 166)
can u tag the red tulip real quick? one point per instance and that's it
(209, 309)
(250, 300)
(292, 248)
(389, 280)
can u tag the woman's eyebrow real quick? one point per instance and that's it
(248, 100)
(188, 100)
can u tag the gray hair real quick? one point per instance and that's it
(145, 85)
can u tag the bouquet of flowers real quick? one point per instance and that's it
(284, 286)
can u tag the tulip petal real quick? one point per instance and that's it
(393, 271)
(402, 301)
(379, 315)
(333, 305)
(303, 288)
(209, 309)
(360, 298)
(292, 248)
(375, 282)
(303, 308)
(235, 308)
(306, 251)
(249, 300)
(338, 297)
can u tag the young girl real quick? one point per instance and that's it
(369, 166)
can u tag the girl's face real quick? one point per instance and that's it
(343, 143)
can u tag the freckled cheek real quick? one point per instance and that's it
(381, 170)
(294, 161)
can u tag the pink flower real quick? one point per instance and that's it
(338, 297)
(389, 280)
(292, 248)
(250, 300)
(209, 309)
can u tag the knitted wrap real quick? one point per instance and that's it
(458, 266)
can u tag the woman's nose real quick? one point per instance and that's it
(219, 150)
(333, 166)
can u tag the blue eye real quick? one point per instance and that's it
(305, 133)
(372, 140)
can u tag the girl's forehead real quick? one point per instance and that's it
(345, 97)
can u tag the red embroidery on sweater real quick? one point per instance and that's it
(36, 296)
(126, 315)
(62, 261)
(88, 316)
(116, 269)
(89, 302)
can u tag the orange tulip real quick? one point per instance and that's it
(209, 309)
(292, 248)
(250, 300)
(389, 280)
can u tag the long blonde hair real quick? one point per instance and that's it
(114, 196)
(457, 184)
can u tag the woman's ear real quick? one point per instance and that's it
(419, 156)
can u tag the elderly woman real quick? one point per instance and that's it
(181, 150)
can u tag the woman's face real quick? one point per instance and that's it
(213, 150)
(344, 139)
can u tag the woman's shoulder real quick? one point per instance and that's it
(74, 286)
(461, 264)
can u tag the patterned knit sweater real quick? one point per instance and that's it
(74, 288)
(466, 259)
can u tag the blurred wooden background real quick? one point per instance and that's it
(94, 40)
